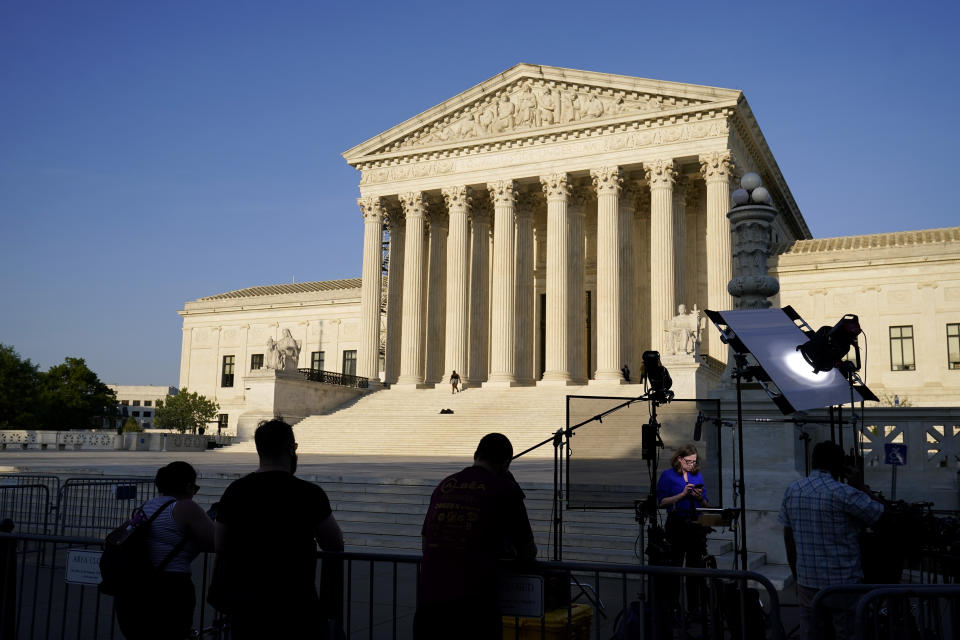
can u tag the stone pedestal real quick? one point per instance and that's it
(691, 379)
(288, 395)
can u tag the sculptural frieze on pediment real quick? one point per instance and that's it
(657, 134)
(533, 104)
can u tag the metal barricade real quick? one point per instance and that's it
(52, 600)
(27, 505)
(94, 507)
(877, 611)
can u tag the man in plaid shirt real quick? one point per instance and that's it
(822, 519)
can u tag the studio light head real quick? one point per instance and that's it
(828, 347)
(657, 376)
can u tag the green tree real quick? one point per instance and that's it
(186, 411)
(131, 425)
(19, 394)
(72, 397)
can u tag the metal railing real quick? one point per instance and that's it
(332, 377)
(875, 611)
(94, 507)
(41, 598)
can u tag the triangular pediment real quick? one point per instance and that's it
(530, 99)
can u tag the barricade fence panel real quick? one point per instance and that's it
(42, 599)
(94, 507)
(606, 469)
(876, 612)
(30, 513)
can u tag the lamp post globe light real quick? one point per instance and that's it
(750, 219)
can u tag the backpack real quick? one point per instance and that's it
(631, 623)
(125, 563)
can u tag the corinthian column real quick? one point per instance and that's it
(607, 183)
(578, 291)
(458, 281)
(523, 365)
(368, 358)
(479, 291)
(557, 359)
(394, 295)
(411, 354)
(663, 294)
(680, 241)
(503, 194)
(716, 168)
(628, 277)
(436, 295)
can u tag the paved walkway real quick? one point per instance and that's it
(226, 463)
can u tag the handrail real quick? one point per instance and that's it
(334, 377)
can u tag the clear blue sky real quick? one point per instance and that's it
(156, 152)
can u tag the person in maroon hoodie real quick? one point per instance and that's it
(476, 517)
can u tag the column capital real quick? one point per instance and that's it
(502, 192)
(660, 174)
(716, 166)
(556, 186)
(606, 180)
(393, 213)
(413, 203)
(456, 196)
(580, 195)
(371, 208)
(481, 210)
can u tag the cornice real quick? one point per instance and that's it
(745, 125)
(898, 239)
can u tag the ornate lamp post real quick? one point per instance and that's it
(750, 220)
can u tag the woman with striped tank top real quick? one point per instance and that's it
(177, 535)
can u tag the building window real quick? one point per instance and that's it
(953, 346)
(136, 403)
(147, 403)
(350, 363)
(222, 420)
(226, 378)
(256, 361)
(901, 349)
(146, 414)
(316, 360)
(124, 403)
(135, 414)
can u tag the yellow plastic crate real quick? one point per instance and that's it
(556, 625)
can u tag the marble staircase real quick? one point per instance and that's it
(407, 422)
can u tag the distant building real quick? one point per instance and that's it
(140, 402)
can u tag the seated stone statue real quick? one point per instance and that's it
(685, 331)
(289, 351)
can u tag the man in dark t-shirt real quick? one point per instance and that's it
(476, 517)
(269, 524)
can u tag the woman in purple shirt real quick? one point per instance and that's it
(680, 491)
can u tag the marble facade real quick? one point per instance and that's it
(544, 226)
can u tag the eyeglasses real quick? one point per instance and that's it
(688, 460)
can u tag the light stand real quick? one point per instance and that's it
(767, 348)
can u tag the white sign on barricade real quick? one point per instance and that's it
(83, 566)
(522, 596)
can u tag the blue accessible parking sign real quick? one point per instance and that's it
(895, 454)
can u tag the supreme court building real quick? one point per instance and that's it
(544, 226)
